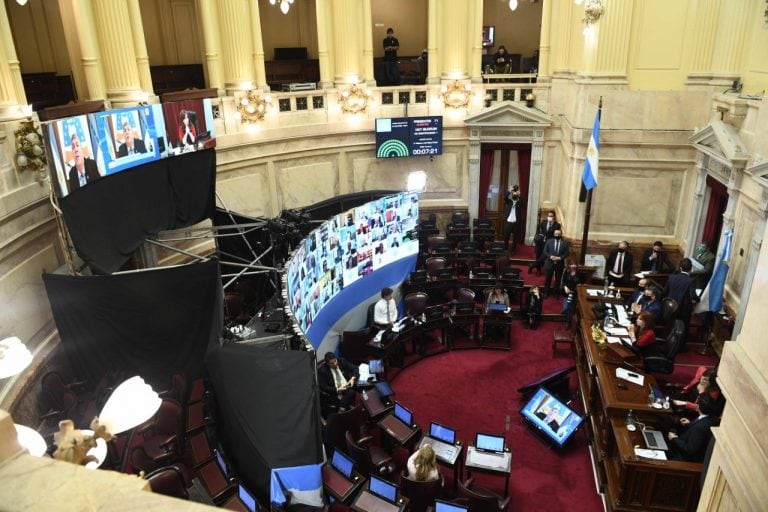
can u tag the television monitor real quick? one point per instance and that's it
(128, 137)
(189, 125)
(382, 488)
(247, 498)
(443, 433)
(409, 136)
(490, 442)
(551, 417)
(403, 414)
(74, 156)
(342, 463)
(384, 389)
(447, 506)
(489, 36)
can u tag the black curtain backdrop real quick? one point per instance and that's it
(268, 399)
(152, 324)
(110, 218)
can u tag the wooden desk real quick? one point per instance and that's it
(374, 404)
(503, 320)
(446, 454)
(501, 464)
(368, 502)
(629, 483)
(339, 486)
(402, 434)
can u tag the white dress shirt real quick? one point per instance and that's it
(385, 312)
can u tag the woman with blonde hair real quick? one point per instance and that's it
(422, 464)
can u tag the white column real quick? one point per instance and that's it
(140, 46)
(237, 53)
(367, 64)
(544, 42)
(11, 62)
(209, 21)
(258, 47)
(534, 185)
(474, 172)
(324, 58)
(697, 208)
(755, 245)
(433, 71)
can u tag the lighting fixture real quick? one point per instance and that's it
(355, 100)
(29, 146)
(456, 95)
(132, 403)
(14, 357)
(512, 5)
(284, 5)
(593, 9)
(30, 439)
(21, 2)
(253, 106)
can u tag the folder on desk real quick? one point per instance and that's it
(634, 378)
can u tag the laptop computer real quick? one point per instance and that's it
(383, 489)
(384, 389)
(447, 506)
(442, 433)
(490, 443)
(465, 308)
(248, 500)
(399, 425)
(342, 464)
(655, 440)
(497, 308)
(403, 414)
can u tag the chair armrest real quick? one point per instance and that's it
(170, 442)
(364, 441)
(504, 504)
(50, 414)
(469, 481)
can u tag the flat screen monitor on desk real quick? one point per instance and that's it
(490, 443)
(403, 414)
(447, 506)
(342, 463)
(443, 433)
(248, 500)
(497, 308)
(383, 489)
(384, 389)
(551, 417)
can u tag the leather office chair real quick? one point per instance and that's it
(481, 500)
(371, 459)
(468, 246)
(416, 303)
(421, 494)
(337, 425)
(169, 481)
(177, 390)
(198, 450)
(353, 346)
(669, 308)
(369, 314)
(215, 482)
(460, 218)
(434, 264)
(465, 295)
(196, 418)
(67, 400)
(482, 223)
(662, 357)
(434, 240)
(497, 247)
(502, 264)
(162, 437)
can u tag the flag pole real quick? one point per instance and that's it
(588, 207)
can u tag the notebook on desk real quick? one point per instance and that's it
(655, 440)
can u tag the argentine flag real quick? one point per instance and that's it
(712, 297)
(589, 176)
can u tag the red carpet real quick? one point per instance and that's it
(476, 390)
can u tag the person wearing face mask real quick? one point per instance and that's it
(501, 61)
(545, 231)
(680, 288)
(638, 296)
(655, 259)
(705, 260)
(652, 304)
(555, 252)
(619, 266)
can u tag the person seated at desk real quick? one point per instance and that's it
(337, 378)
(652, 303)
(638, 296)
(385, 310)
(641, 334)
(497, 296)
(422, 464)
(570, 282)
(501, 61)
(655, 259)
(688, 399)
(691, 444)
(532, 308)
(550, 417)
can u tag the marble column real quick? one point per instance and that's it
(347, 41)
(236, 45)
(607, 53)
(697, 208)
(83, 49)
(756, 243)
(367, 64)
(562, 14)
(258, 48)
(734, 193)
(324, 57)
(432, 46)
(209, 22)
(475, 41)
(534, 185)
(704, 16)
(140, 46)
(474, 172)
(120, 70)
(729, 41)
(452, 18)
(544, 42)
(11, 86)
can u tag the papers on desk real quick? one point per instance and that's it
(617, 331)
(496, 461)
(612, 339)
(621, 314)
(696, 265)
(378, 337)
(641, 275)
(634, 378)
(650, 454)
(365, 372)
(591, 292)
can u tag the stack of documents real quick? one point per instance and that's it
(634, 378)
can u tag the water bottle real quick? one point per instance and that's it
(630, 421)
(365, 395)
(666, 402)
(651, 398)
(605, 288)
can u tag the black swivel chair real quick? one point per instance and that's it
(482, 500)
(662, 359)
(421, 494)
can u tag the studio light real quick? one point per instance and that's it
(14, 357)
(31, 440)
(417, 181)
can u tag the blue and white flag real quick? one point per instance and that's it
(589, 176)
(300, 484)
(712, 297)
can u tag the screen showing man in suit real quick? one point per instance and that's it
(130, 145)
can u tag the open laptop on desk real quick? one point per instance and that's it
(490, 443)
(443, 442)
(399, 424)
(447, 506)
(655, 440)
(339, 477)
(497, 308)
(381, 496)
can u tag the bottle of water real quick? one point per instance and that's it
(651, 398)
(365, 395)
(666, 402)
(630, 420)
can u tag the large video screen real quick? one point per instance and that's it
(83, 149)
(409, 136)
(348, 247)
(552, 417)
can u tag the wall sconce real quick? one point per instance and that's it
(132, 403)
(530, 99)
(14, 357)
(253, 107)
(284, 5)
(355, 100)
(592, 12)
(512, 5)
(456, 95)
(29, 147)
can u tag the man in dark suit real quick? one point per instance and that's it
(691, 445)
(555, 252)
(619, 266)
(550, 418)
(130, 145)
(512, 215)
(705, 257)
(655, 259)
(84, 171)
(680, 288)
(337, 378)
(545, 231)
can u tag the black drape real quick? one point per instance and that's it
(110, 218)
(153, 323)
(267, 401)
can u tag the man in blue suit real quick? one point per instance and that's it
(555, 252)
(691, 444)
